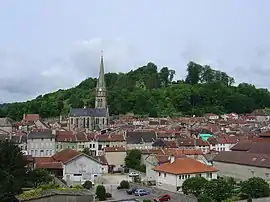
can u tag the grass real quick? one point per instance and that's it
(37, 192)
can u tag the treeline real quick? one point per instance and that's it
(147, 91)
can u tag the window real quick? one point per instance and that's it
(87, 122)
(103, 121)
(57, 146)
(35, 152)
(209, 175)
(97, 121)
(71, 120)
(93, 145)
(159, 174)
(165, 174)
(77, 174)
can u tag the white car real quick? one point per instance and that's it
(133, 174)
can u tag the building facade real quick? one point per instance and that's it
(92, 118)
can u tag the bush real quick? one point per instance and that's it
(137, 179)
(78, 187)
(108, 195)
(124, 184)
(119, 187)
(87, 184)
(49, 186)
(147, 200)
(101, 193)
(255, 187)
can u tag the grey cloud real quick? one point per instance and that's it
(22, 78)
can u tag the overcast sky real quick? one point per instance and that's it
(50, 44)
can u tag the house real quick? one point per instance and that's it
(30, 117)
(140, 139)
(171, 175)
(156, 158)
(189, 143)
(110, 139)
(243, 165)
(6, 124)
(41, 144)
(41, 124)
(115, 157)
(92, 118)
(20, 140)
(222, 143)
(65, 140)
(76, 167)
(212, 116)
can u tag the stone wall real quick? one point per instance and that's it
(62, 198)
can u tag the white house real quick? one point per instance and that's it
(171, 175)
(41, 144)
(78, 167)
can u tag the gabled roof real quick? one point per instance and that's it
(91, 112)
(139, 137)
(184, 165)
(243, 158)
(66, 155)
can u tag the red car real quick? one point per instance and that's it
(163, 198)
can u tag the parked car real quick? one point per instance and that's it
(141, 192)
(133, 174)
(131, 191)
(163, 198)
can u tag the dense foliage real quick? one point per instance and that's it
(38, 177)
(12, 170)
(133, 160)
(101, 193)
(225, 189)
(147, 91)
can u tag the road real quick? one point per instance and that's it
(111, 182)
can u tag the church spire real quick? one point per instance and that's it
(101, 78)
(101, 101)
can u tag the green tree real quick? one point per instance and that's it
(194, 185)
(101, 193)
(255, 187)
(218, 189)
(13, 163)
(8, 188)
(124, 184)
(133, 159)
(194, 73)
(87, 184)
(39, 177)
(87, 151)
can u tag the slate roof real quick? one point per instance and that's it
(252, 147)
(41, 134)
(243, 158)
(92, 112)
(139, 137)
(159, 143)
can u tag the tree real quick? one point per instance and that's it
(133, 159)
(13, 163)
(87, 184)
(194, 73)
(218, 189)
(193, 185)
(124, 184)
(8, 187)
(87, 151)
(255, 187)
(38, 177)
(101, 193)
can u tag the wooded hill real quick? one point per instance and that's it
(147, 91)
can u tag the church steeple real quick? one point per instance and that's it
(101, 79)
(101, 87)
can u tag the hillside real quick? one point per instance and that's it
(145, 91)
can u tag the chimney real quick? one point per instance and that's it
(171, 158)
(24, 116)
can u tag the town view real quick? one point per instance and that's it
(134, 113)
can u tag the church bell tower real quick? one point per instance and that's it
(101, 101)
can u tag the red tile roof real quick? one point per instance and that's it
(115, 149)
(31, 117)
(66, 155)
(184, 165)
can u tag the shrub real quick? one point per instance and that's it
(119, 187)
(101, 193)
(124, 184)
(108, 195)
(78, 187)
(147, 200)
(87, 184)
(49, 186)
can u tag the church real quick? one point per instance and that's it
(96, 118)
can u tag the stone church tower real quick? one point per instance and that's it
(101, 101)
